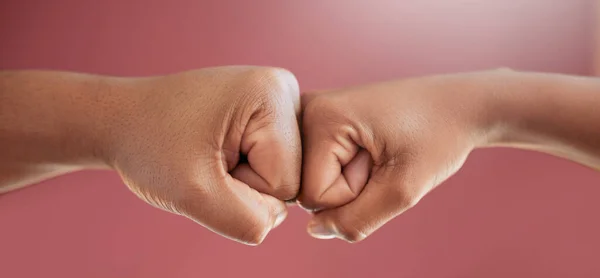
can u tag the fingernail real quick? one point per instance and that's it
(280, 217)
(318, 230)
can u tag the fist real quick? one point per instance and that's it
(220, 146)
(372, 152)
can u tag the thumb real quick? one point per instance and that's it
(379, 202)
(232, 209)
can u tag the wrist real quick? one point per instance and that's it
(89, 133)
(477, 104)
(499, 104)
(497, 115)
(536, 110)
(53, 123)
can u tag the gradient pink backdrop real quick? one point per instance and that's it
(506, 214)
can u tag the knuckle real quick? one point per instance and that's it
(254, 234)
(269, 92)
(404, 198)
(352, 229)
(271, 82)
(286, 192)
(322, 108)
(317, 196)
(328, 114)
(401, 189)
(327, 198)
(353, 235)
(408, 201)
(309, 201)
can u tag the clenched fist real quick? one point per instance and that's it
(220, 146)
(374, 151)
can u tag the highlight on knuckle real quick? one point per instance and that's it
(402, 191)
(351, 228)
(271, 82)
(313, 197)
(264, 93)
(351, 233)
(254, 234)
(286, 192)
(309, 201)
(322, 109)
(409, 201)
(404, 198)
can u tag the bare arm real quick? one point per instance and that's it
(372, 152)
(177, 141)
(552, 113)
(50, 124)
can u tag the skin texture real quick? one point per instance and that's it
(372, 152)
(220, 146)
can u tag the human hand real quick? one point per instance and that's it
(372, 152)
(220, 146)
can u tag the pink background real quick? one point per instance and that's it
(506, 214)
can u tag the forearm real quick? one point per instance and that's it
(552, 113)
(50, 123)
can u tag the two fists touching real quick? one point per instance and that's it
(228, 147)
(222, 146)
